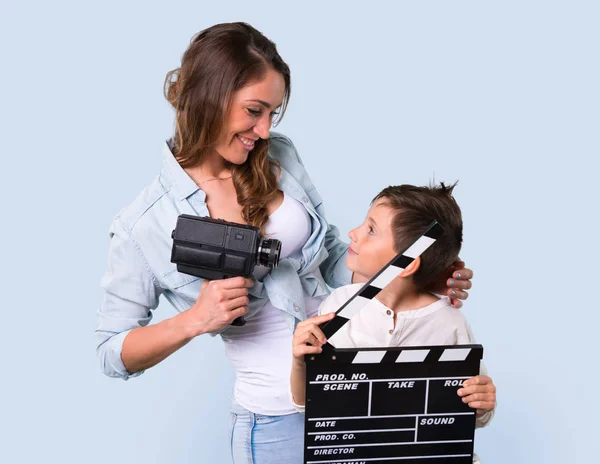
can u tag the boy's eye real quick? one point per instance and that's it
(371, 230)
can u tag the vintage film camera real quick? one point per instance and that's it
(216, 249)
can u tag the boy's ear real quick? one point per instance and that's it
(412, 267)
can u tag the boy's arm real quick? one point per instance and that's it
(298, 385)
(308, 339)
(480, 391)
(481, 420)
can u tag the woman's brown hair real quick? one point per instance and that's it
(219, 61)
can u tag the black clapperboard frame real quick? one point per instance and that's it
(388, 405)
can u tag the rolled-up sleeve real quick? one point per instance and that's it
(130, 293)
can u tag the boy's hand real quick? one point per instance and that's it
(480, 393)
(308, 337)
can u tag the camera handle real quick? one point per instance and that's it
(210, 275)
(238, 321)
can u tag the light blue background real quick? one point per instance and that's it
(501, 95)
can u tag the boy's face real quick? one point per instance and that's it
(372, 243)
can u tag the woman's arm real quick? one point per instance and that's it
(219, 303)
(127, 345)
(144, 347)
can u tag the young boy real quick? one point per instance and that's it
(404, 313)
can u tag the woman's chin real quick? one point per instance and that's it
(236, 158)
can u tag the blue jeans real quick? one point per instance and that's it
(259, 439)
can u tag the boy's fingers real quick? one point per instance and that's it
(319, 335)
(316, 337)
(308, 337)
(466, 391)
(314, 340)
(318, 320)
(478, 384)
(483, 406)
(475, 397)
(312, 350)
(478, 380)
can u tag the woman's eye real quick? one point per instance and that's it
(274, 113)
(253, 112)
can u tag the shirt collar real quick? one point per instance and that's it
(181, 182)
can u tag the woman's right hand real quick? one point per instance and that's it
(219, 303)
(308, 337)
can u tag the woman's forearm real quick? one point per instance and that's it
(144, 347)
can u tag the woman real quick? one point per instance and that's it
(224, 162)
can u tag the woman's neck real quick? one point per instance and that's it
(212, 166)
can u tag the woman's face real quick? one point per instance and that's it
(250, 118)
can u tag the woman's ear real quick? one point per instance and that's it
(412, 267)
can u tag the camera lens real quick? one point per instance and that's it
(268, 253)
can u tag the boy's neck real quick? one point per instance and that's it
(402, 295)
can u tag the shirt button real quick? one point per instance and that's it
(388, 312)
(305, 199)
(391, 331)
(296, 307)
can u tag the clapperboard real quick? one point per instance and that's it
(388, 405)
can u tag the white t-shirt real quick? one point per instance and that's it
(373, 326)
(436, 324)
(261, 350)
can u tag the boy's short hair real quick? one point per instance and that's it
(415, 209)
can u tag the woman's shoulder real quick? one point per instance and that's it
(131, 214)
(282, 148)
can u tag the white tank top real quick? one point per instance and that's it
(261, 350)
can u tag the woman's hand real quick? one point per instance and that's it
(308, 337)
(453, 282)
(480, 393)
(219, 303)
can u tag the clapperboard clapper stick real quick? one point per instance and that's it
(388, 405)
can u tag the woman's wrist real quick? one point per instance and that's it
(185, 327)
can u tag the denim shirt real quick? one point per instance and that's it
(140, 270)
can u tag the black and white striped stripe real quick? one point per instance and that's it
(380, 281)
(403, 355)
